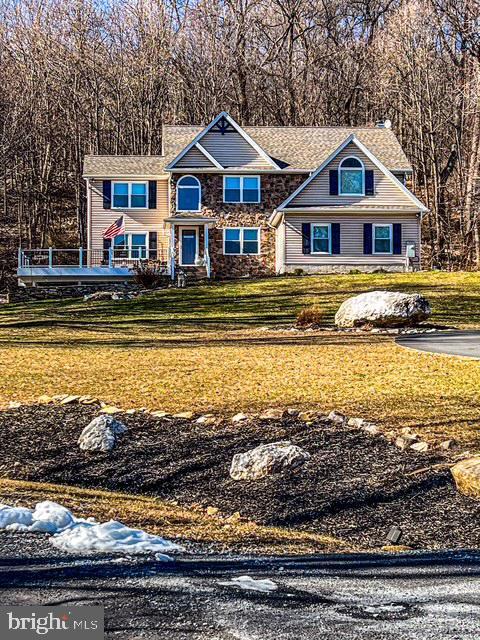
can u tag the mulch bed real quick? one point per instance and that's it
(354, 487)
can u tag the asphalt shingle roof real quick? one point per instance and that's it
(303, 148)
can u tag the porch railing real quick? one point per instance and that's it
(113, 257)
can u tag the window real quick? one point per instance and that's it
(321, 238)
(352, 177)
(241, 189)
(129, 195)
(241, 241)
(131, 246)
(189, 194)
(382, 238)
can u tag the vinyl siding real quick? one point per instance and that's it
(317, 193)
(232, 150)
(136, 220)
(194, 158)
(351, 239)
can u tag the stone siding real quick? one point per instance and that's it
(274, 190)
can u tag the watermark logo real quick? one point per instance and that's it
(58, 623)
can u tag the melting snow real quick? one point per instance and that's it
(247, 582)
(79, 535)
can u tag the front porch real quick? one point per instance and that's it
(189, 245)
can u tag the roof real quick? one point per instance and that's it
(123, 166)
(294, 148)
(302, 148)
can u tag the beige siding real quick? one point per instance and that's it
(351, 239)
(136, 220)
(194, 158)
(232, 150)
(317, 193)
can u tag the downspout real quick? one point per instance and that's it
(89, 223)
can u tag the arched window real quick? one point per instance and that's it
(352, 177)
(189, 194)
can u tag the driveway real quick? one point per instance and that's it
(454, 343)
(336, 597)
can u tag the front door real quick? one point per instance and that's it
(188, 246)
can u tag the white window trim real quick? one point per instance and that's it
(242, 229)
(340, 169)
(129, 245)
(382, 253)
(180, 248)
(180, 186)
(241, 190)
(321, 224)
(129, 183)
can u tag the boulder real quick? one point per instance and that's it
(383, 309)
(337, 418)
(101, 434)
(239, 417)
(466, 474)
(272, 414)
(266, 460)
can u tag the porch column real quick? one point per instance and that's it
(206, 249)
(172, 252)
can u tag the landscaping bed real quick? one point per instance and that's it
(354, 487)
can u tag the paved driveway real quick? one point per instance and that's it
(454, 343)
(332, 597)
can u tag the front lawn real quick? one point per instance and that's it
(204, 348)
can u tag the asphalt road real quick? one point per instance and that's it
(414, 596)
(455, 343)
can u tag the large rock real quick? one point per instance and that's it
(266, 460)
(101, 434)
(383, 309)
(466, 474)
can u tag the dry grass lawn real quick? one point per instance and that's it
(204, 349)
(168, 520)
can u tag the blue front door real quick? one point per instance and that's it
(189, 246)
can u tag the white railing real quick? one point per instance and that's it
(80, 257)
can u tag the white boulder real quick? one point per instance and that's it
(266, 460)
(383, 309)
(101, 434)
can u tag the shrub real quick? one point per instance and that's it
(310, 316)
(298, 272)
(354, 272)
(150, 275)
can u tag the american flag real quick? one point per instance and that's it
(115, 229)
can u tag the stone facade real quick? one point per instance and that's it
(274, 190)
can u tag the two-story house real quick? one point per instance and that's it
(230, 201)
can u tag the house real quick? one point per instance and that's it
(229, 201)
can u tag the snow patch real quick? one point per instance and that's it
(79, 535)
(247, 582)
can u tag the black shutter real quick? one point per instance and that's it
(107, 243)
(152, 245)
(107, 194)
(334, 182)
(152, 194)
(369, 183)
(367, 238)
(397, 239)
(335, 238)
(306, 238)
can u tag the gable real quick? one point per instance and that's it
(195, 158)
(388, 192)
(230, 149)
(225, 145)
